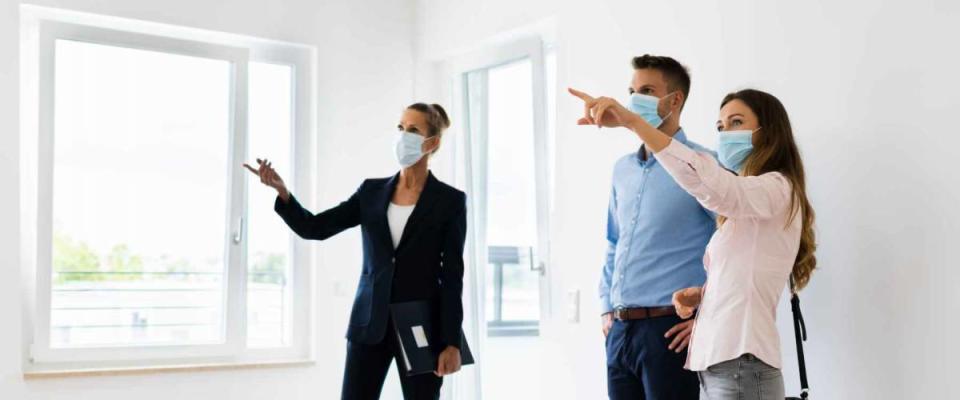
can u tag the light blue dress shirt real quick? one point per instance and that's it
(656, 234)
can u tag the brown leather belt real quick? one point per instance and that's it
(626, 314)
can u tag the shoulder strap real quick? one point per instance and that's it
(800, 332)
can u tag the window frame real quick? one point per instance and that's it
(42, 27)
(533, 48)
(470, 172)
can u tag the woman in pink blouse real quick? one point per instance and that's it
(764, 238)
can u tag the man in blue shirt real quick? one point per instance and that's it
(657, 235)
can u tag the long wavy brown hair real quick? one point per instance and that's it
(775, 150)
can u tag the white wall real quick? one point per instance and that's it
(10, 378)
(364, 79)
(871, 87)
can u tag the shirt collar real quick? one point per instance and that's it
(680, 136)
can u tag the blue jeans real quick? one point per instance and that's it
(744, 378)
(640, 366)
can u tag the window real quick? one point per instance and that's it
(140, 176)
(149, 246)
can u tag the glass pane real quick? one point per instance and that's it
(268, 248)
(140, 197)
(511, 190)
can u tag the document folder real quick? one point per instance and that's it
(417, 329)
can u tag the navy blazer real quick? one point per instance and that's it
(426, 265)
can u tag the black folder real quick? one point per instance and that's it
(417, 328)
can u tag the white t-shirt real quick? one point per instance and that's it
(397, 217)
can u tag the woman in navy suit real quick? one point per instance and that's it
(413, 229)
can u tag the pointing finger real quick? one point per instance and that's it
(583, 96)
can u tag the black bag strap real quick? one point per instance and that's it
(800, 332)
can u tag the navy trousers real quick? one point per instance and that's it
(640, 366)
(367, 367)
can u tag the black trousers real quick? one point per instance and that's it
(367, 367)
(640, 366)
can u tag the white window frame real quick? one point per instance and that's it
(532, 48)
(42, 27)
(529, 44)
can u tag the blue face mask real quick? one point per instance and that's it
(734, 148)
(646, 107)
(409, 148)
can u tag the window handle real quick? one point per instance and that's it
(541, 268)
(238, 235)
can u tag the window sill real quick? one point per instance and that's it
(73, 373)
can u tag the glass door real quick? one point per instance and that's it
(506, 104)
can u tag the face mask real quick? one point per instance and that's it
(409, 148)
(646, 106)
(734, 148)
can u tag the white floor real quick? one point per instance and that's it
(512, 370)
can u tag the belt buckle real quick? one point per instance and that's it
(618, 313)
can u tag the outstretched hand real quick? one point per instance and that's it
(602, 111)
(269, 176)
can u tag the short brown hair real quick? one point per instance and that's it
(676, 75)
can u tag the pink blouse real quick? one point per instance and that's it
(748, 260)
